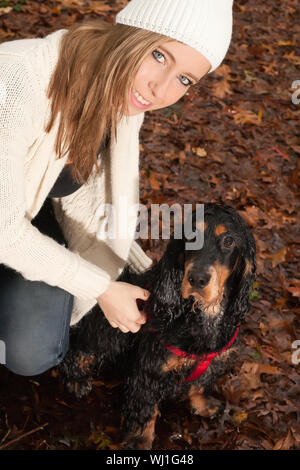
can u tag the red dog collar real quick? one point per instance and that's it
(203, 360)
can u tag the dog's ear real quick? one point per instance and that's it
(243, 277)
(175, 253)
(239, 298)
(167, 278)
(250, 248)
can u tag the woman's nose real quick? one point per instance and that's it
(159, 88)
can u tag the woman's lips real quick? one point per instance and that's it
(137, 103)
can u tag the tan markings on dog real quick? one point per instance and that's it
(85, 361)
(149, 430)
(176, 363)
(201, 226)
(202, 405)
(220, 229)
(224, 356)
(248, 268)
(185, 285)
(197, 400)
(211, 296)
(143, 439)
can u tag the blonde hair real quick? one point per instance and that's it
(96, 67)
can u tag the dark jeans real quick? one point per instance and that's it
(34, 317)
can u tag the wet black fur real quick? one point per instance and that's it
(141, 356)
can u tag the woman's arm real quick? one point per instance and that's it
(22, 247)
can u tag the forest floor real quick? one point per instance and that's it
(234, 140)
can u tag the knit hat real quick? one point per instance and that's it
(205, 25)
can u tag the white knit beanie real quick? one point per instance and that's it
(205, 25)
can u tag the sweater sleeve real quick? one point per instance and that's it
(138, 258)
(22, 246)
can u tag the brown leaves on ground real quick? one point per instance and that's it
(233, 139)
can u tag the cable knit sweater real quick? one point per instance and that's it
(28, 169)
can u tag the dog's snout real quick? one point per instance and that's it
(199, 280)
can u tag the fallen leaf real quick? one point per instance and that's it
(286, 43)
(153, 179)
(200, 152)
(245, 116)
(278, 257)
(5, 10)
(239, 417)
(251, 214)
(285, 443)
(294, 287)
(221, 88)
(292, 57)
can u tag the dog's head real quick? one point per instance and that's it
(219, 275)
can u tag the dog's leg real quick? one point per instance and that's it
(202, 405)
(141, 438)
(89, 343)
(76, 372)
(140, 409)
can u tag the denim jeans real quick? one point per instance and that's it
(34, 316)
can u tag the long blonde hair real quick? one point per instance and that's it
(96, 67)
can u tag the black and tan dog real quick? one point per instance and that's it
(198, 300)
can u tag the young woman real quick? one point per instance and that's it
(71, 107)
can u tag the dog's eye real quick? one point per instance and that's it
(228, 242)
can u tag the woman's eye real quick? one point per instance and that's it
(228, 242)
(161, 59)
(157, 55)
(187, 82)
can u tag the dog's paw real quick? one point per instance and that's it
(141, 438)
(79, 388)
(211, 409)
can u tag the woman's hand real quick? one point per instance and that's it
(119, 306)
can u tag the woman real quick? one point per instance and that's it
(71, 107)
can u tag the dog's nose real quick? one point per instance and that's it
(199, 280)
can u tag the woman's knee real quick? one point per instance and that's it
(27, 367)
(24, 358)
(37, 339)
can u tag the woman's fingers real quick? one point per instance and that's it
(142, 318)
(142, 293)
(130, 326)
(123, 328)
(119, 305)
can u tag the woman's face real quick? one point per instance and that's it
(165, 76)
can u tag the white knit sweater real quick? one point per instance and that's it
(28, 170)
